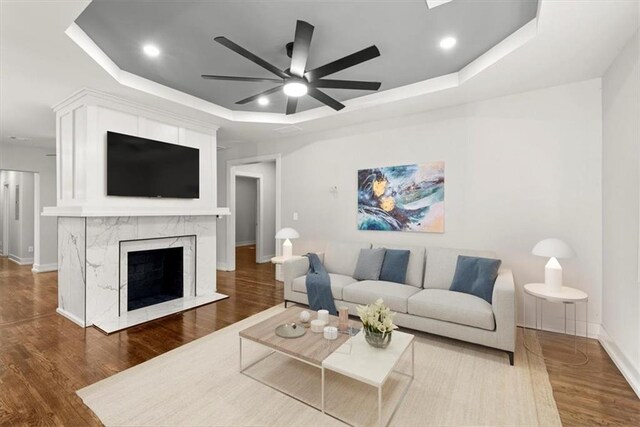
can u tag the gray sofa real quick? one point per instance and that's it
(424, 302)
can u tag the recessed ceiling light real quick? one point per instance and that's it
(448, 42)
(263, 100)
(295, 89)
(151, 50)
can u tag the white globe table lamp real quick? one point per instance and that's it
(553, 249)
(287, 234)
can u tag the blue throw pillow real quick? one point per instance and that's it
(394, 266)
(476, 276)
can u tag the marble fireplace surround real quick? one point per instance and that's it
(188, 245)
(90, 255)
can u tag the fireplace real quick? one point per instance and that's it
(154, 276)
(158, 272)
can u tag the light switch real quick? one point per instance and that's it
(295, 216)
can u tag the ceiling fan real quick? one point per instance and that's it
(297, 81)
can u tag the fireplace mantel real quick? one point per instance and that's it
(88, 211)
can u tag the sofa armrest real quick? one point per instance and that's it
(293, 268)
(504, 308)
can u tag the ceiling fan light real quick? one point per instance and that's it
(295, 89)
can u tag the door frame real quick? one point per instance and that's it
(5, 218)
(231, 203)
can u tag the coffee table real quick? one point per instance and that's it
(348, 355)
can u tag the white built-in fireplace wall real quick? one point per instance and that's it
(92, 250)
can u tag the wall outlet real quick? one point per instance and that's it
(295, 216)
(30, 249)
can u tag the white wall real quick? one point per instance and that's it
(518, 169)
(25, 158)
(621, 188)
(246, 210)
(26, 216)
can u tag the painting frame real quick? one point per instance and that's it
(407, 197)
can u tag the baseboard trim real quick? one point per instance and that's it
(629, 372)
(222, 266)
(70, 316)
(594, 329)
(20, 261)
(265, 259)
(247, 243)
(44, 268)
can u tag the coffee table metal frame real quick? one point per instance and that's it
(322, 408)
(381, 384)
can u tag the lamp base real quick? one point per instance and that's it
(287, 249)
(553, 275)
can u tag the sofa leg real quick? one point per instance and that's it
(510, 353)
(285, 303)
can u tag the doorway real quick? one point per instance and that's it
(265, 173)
(249, 214)
(18, 195)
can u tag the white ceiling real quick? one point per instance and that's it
(40, 65)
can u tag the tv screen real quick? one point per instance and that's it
(140, 167)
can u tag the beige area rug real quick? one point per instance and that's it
(199, 384)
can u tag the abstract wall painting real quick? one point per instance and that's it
(402, 198)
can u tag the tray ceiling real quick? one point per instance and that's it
(407, 33)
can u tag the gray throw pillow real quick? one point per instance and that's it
(394, 266)
(369, 264)
(476, 276)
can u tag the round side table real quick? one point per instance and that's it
(278, 261)
(566, 296)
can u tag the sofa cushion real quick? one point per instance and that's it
(415, 266)
(341, 257)
(441, 265)
(394, 265)
(369, 264)
(395, 295)
(338, 282)
(476, 276)
(454, 307)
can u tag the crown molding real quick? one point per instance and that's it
(517, 39)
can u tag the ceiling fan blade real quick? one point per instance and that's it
(251, 57)
(325, 99)
(254, 97)
(240, 79)
(346, 84)
(301, 43)
(343, 63)
(292, 105)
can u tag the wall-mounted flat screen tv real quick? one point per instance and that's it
(140, 167)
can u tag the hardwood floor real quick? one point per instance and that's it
(44, 358)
